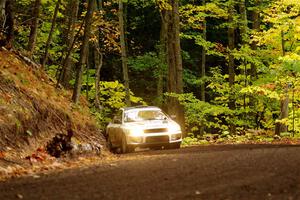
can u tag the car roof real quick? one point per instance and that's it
(141, 108)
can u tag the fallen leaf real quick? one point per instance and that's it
(2, 154)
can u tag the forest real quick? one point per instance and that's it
(229, 68)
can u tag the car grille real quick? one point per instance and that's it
(157, 139)
(156, 130)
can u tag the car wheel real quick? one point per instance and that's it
(174, 145)
(125, 148)
(110, 146)
(156, 148)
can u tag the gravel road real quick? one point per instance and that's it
(210, 172)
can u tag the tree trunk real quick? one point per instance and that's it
(8, 23)
(87, 76)
(83, 52)
(243, 21)
(255, 27)
(162, 57)
(2, 16)
(98, 62)
(98, 57)
(70, 50)
(284, 113)
(34, 27)
(282, 43)
(244, 38)
(49, 40)
(203, 60)
(231, 71)
(67, 68)
(123, 52)
(174, 60)
(284, 102)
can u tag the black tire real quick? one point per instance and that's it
(174, 145)
(110, 147)
(156, 147)
(125, 148)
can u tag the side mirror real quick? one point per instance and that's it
(117, 120)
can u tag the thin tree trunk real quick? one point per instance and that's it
(162, 57)
(284, 102)
(203, 60)
(98, 57)
(282, 43)
(66, 73)
(83, 52)
(2, 16)
(244, 38)
(69, 51)
(243, 21)
(87, 77)
(124, 53)
(179, 68)
(8, 22)
(49, 40)
(98, 62)
(255, 27)
(284, 113)
(255, 17)
(231, 71)
(34, 27)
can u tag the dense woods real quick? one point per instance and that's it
(220, 66)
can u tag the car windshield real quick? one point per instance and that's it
(142, 115)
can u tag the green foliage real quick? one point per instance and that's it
(246, 138)
(199, 114)
(112, 98)
(273, 51)
(149, 62)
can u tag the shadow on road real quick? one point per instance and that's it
(208, 148)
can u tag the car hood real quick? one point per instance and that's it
(150, 124)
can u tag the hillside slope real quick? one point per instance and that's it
(33, 111)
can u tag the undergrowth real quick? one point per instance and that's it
(247, 138)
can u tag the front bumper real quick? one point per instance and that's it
(154, 139)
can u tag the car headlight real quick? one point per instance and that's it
(136, 132)
(174, 128)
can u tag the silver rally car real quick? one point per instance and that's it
(143, 126)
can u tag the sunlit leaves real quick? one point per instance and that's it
(163, 4)
(192, 16)
(200, 114)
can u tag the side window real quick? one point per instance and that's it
(118, 118)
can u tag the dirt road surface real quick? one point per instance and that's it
(212, 172)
